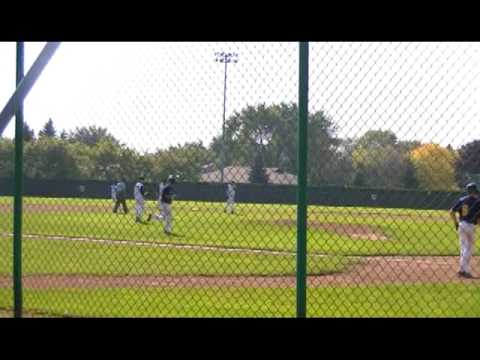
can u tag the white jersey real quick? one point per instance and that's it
(113, 188)
(137, 191)
(160, 189)
(231, 191)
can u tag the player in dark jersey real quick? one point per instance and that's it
(167, 196)
(468, 208)
(121, 197)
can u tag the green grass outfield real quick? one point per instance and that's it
(364, 301)
(42, 256)
(409, 232)
(144, 250)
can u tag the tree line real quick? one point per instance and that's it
(92, 153)
(259, 137)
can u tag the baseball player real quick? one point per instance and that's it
(167, 196)
(161, 186)
(230, 205)
(468, 208)
(139, 195)
(113, 190)
(121, 197)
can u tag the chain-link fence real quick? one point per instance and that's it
(161, 180)
(6, 165)
(403, 120)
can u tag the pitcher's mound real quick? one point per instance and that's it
(356, 231)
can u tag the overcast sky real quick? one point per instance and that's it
(153, 95)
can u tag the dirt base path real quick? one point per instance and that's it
(368, 270)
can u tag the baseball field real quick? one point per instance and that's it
(80, 259)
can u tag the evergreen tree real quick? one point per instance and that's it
(257, 173)
(28, 133)
(48, 130)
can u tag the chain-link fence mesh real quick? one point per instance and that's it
(400, 116)
(7, 64)
(160, 180)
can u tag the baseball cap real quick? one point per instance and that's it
(471, 187)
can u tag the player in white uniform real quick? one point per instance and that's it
(230, 205)
(468, 208)
(139, 195)
(113, 189)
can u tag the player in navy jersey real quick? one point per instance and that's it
(120, 198)
(468, 208)
(167, 196)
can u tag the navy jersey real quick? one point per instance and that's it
(121, 187)
(168, 194)
(469, 208)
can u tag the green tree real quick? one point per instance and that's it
(360, 177)
(244, 133)
(377, 138)
(273, 129)
(92, 135)
(468, 164)
(83, 156)
(380, 160)
(323, 154)
(408, 146)
(28, 133)
(133, 164)
(6, 158)
(339, 168)
(106, 160)
(48, 130)
(184, 160)
(257, 172)
(49, 158)
(409, 177)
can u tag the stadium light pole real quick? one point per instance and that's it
(226, 58)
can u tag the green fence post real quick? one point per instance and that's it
(17, 207)
(302, 182)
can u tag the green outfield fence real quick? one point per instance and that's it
(312, 179)
(246, 193)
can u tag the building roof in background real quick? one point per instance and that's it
(240, 174)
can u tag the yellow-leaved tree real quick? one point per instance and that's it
(434, 167)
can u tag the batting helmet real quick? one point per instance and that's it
(472, 188)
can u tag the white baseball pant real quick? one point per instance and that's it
(230, 207)
(466, 233)
(139, 208)
(167, 217)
